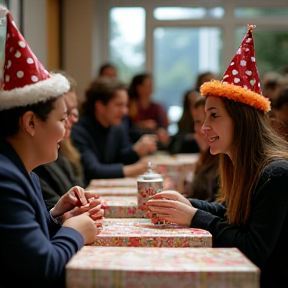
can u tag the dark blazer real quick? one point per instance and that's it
(103, 151)
(264, 239)
(56, 178)
(34, 250)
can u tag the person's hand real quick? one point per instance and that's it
(135, 169)
(148, 124)
(85, 226)
(76, 196)
(172, 207)
(171, 195)
(145, 145)
(93, 207)
(163, 136)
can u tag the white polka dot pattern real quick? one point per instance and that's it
(22, 44)
(34, 78)
(30, 60)
(9, 63)
(21, 66)
(20, 74)
(18, 54)
(242, 70)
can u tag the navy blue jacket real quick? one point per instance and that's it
(33, 249)
(103, 151)
(264, 239)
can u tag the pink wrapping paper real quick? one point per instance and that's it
(116, 182)
(175, 168)
(114, 191)
(122, 207)
(128, 267)
(142, 233)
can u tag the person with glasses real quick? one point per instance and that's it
(58, 177)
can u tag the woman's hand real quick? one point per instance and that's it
(171, 195)
(75, 197)
(172, 207)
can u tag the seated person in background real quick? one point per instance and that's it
(281, 106)
(204, 185)
(204, 77)
(183, 141)
(101, 138)
(281, 112)
(147, 116)
(57, 177)
(108, 70)
(34, 247)
(271, 85)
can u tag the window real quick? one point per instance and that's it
(2, 40)
(177, 40)
(246, 12)
(180, 54)
(127, 40)
(178, 13)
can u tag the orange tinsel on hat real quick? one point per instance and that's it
(240, 81)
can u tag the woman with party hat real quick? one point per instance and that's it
(252, 208)
(35, 246)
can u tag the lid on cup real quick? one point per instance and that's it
(150, 174)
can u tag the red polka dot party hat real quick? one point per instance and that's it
(241, 80)
(24, 80)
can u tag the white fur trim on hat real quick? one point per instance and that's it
(41, 91)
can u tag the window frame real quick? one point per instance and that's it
(229, 23)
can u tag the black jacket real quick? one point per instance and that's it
(56, 178)
(264, 239)
(103, 151)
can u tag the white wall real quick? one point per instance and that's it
(81, 29)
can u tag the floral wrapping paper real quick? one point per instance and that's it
(116, 182)
(146, 190)
(114, 191)
(175, 168)
(127, 267)
(143, 233)
(122, 207)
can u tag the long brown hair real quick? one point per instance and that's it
(186, 123)
(71, 153)
(256, 145)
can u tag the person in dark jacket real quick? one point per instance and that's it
(58, 177)
(35, 245)
(100, 135)
(204, 182)
(251, 212)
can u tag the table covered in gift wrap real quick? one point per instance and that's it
(175, 168)
(128, 267)
(114, 191)
(115, 182)
(122, 207)
(132, 232)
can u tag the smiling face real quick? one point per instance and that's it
(112, 112)
(218, 127)
(48, 134)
